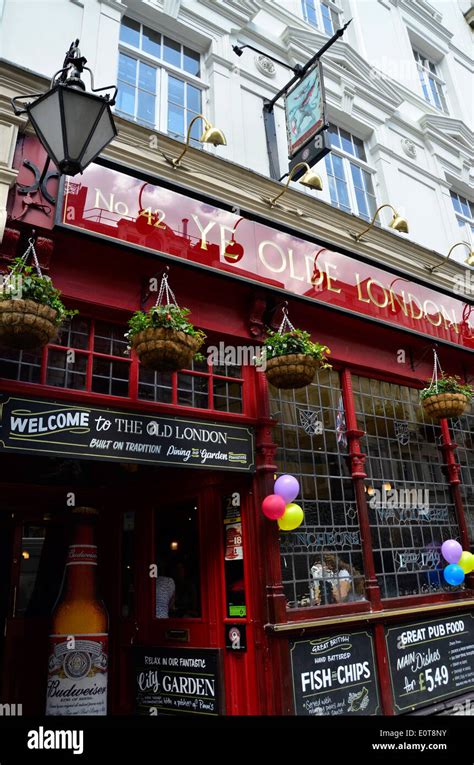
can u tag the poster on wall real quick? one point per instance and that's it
(335, 675)
(177, 681)
(304, 107)
(430, 660)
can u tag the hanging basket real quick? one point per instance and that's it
(25, 324)
(445, 405)
(165, 350)
(296, 370)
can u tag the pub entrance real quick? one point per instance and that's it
(162, 571)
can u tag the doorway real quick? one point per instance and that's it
(153, 523)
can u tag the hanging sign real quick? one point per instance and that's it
(335, 675)
(430, 660)
(304, 109)
(177, 681)
(105, 202)
(49, 427)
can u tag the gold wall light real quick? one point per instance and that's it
(210, 134)
(397, 223)
(310, 179)
(469, 260)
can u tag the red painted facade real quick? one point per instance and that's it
(107, 280)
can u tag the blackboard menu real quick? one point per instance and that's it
(177, 681)
(430, 660)
(49, 427)
(335, 675)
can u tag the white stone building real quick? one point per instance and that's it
(398, 87)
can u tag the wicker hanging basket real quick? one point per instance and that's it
(165, 350)
(445, 405)
(296, 370)
(25, 324)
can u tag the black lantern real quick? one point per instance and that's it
(74, 126)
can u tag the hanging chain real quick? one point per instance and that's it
(286, 323)
(19, 266)
(10, 279)
(436, 366)
(165, 291)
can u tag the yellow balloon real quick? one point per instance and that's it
(292, 517)
(466, 561)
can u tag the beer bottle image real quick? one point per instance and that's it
(77, 668)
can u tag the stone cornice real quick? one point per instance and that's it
(427, 16)
(236, 11)
(447, 126)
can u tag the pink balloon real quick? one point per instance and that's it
(451, 551)
(273, 507)
(287, 487)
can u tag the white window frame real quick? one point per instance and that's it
(334, 10)
(423, 65)
(164, 70)
(347, 160)
(465, 222)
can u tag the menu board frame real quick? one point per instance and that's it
(428, 661)
(319, 648)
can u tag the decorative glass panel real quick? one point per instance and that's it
(322, 559)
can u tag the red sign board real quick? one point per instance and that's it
(118, 206)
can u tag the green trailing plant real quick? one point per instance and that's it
(447, 384)
(21, 282)
(167, 316)
(295, 341)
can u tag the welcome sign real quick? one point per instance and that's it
(105, 203)
(34, 425)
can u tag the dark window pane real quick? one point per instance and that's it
(191, 61)
(151, 42)
(172, 52)
(130, 32)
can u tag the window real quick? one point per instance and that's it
(350, 178)
(322, 559)
(91, 355)
(178, 590)
(203, 386)
(320, 14)
(411, 511)
(464, 210)
(158, 81)
(431, 83)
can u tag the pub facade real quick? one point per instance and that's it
(177, 465)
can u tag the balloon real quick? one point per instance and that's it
(451, 550)
(454, 574)
(292, 518)
(466, 562)
(287, 487)
(273, 507)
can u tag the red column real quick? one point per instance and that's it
(276, 667)
(356, 461)
(453, 471)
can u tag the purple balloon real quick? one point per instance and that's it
(288, 488)
(451, 551)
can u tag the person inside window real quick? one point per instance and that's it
(165, 595)
(335, 581)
